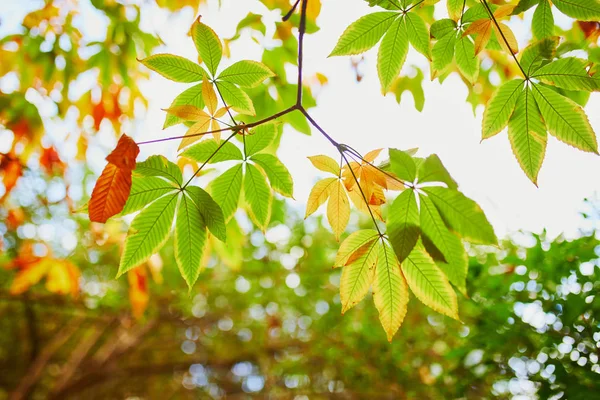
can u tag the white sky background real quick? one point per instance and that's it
(357, 114)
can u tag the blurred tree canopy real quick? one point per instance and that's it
(258, 312)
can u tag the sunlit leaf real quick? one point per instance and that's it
(174, 67)
(364, 33)
(403, 224)
(338, 208)
(258, 195)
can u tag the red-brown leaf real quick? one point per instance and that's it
(124, 155)
(110, 193)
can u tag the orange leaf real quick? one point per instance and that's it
(12, 170)
(505, 10)
(138, 291)
(507, 33)
(110, 193)
(124, 155)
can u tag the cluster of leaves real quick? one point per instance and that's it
(531, 106)
(422, 249)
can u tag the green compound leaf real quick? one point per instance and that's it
(277, 173)
(174, 67)
(583, 10)
(258, 196)
(226, 190)
(500, 107)
(148, 232)
(418, 34)
(542, 24)
(260, 138)
(443, 52)
(203, 151)
(403, 165)
(246, 73)
(236, 98)
(145, 190)
(466, 60)
(392, 54)
(159, 166)
(403, 224)
(190, 239)
(208, 45)
(364, 33)
(432, 170)
(568, 73)
(210, 211)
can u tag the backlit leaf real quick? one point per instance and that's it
(209, 210)
(203, 151)
(246, 73)
(110, 193)
(403, 224)
(174, 67)
(226, 189)
(208, 45)
(364, 33)
(568, 73)
(319, 195)
(279, 176)
(236, 98)
(357, 277)
(338, 209)
(190, 238)
(159, 166)
(542, 24)
(392, 53)
(326, 164)
(418, 34)
(500, 107)
(355, 242)
(258, 195)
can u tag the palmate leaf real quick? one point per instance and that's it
(190, 239)
(392, 54)
(418, 34)
(542, 24)
(226, 189)
(338, 208)
(258, 196)
(260, 138)
(144, 190)
(403, 165)
(208, 45)
(174, 67)
(203, 151)
(534, 55)
(403, 224)
(500, 107)
(455, 8)
(319, 195)
(364, 33)
(209, 210)
(353, 244)
(568, 73)
(326, 164)
(443, 51)
(357, 276)
(527, 135)
(466, 60)
(583, 10)
(442, 27)
(190, 97)
(246, 73)
(433, 227)
(432, 170)
(149, 231)
(390, 290)
(429, 284)
(159, 166)
(462, 215)
(236, 98)
(565, 119)
(277, 173)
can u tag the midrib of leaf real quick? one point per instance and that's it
(393, 48)
(389, 281)
(372, 247)
(561, 117)
(530, 161)
(437, 227)
(429, 282)
(504, 105)
(150, 229)
(406, 219)
(254, 189)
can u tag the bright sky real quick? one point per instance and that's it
(357, 114)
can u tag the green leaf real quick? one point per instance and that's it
(432, 170)
(258, 196)
(203, 151)
(159, 166)
(236, 98)
(534, 55)
(442, 27)
(208, 45)
(462, 215)
(542, 24)
(226, 190)
(443, 52)
(390, 291)
(568, 73)
(246, 73)
(455, 8)
(210, 211)
(403, 224)
(392, 54)
(565, 119)
(144, 191)
(403, 165)
(524, 5)
(357, 277)
(260, 138)
(418, 34)
(190, 239)
(466, 60)
(450, 246)
(500, 107)
(583, 10)
(429, 284)
(189, 97)
(353, 243)
(527, 135)
(148, 232)
(174, 67)
(279, 176)
(364, 33)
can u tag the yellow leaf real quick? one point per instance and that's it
(220, 112)
(63, 278)
(513, 45)
(187, 112)
(482, 39)
(477, 27)
(209, 96)
(372, 155)
(338, 209)
(359, 203)
(313, 9)
(325, 163)
(214, 126)
(357, 276)
(319, 194)
(138, 290)
(505, 10)
(195, 132)
(29, 276)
